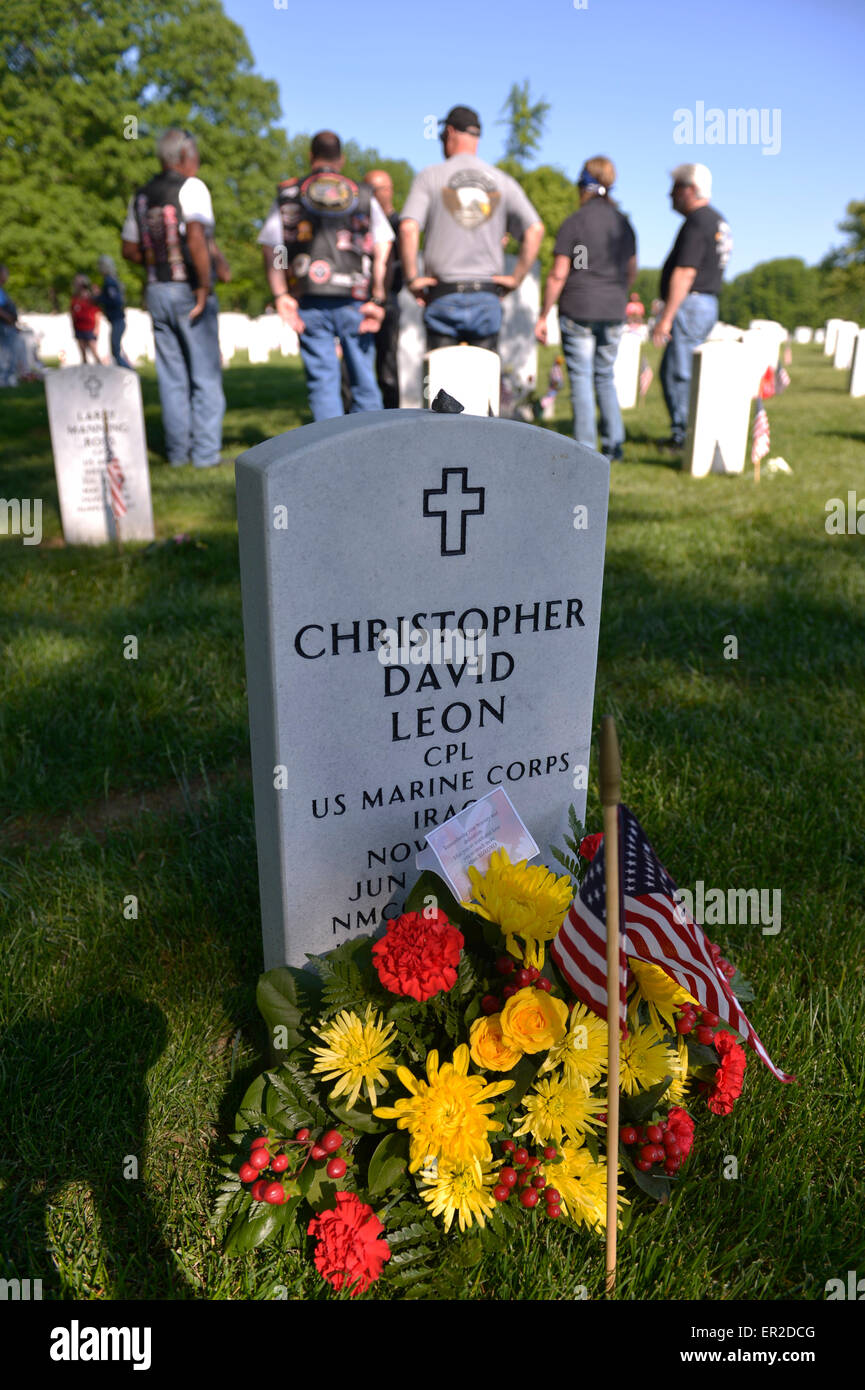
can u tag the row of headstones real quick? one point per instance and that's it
(845, 344)
(237, 332)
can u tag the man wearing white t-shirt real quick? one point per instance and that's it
(169, 230)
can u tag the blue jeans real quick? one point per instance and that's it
(8, 354)
(189, 373)
(325, 318)
(691, 327)
(590, 351)
(464, 318)
(118, 328)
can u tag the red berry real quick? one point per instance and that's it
(522, 978)
(331, 1141)
(603, 1117)
(672, 1165)
(508, 1146)
(279, 1163)
(507, 1176)
(644, 1165)
(336, 1168)
(534, 974)
(258, 1190)
(317, 1152)
(489, 1004)
(653, 1134)
(684, 1024)
(539, 1181)
(505, 966)
(553, 1196)
(531, 1161)
(550, 1153)
(302, 1135)
(628, 1135)
(521, 1157)
(274, 1193)
(660, 1153)
(501, 1193)
(673, 1150)
(705, 1035)
(554, 1210)
(709, 1018)
(247, 1173)
(647, 1153)
(260, 1143)
(259, 1158)
(509, 991)
(543, 984)
(529, 1197)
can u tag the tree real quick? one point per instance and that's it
(843, 270)
(525, 122)
(786, 289)
(85, 90)
(550, 191)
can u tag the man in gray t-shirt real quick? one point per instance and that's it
(465, 208)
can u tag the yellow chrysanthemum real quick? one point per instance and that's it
(524, 900)
(643, 1060)
(677, 1066)
(459, 1189)
(447, 1115)
(661, 992)
(582, 1052)
(582, 1186)
(556, 1109)
(355, 1052)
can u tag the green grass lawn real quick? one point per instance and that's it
(126, 1042)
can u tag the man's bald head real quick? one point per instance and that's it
(381, 184)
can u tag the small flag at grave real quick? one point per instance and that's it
(767, 385)
(760, 437)
(782, 380)
(646, 376)
(654, 927)
(115, 474)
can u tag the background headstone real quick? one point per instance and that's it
(845, 339)
(830, 336)
(803, 335)
(626, 370)
(78, 400)
(857, 370)
(518, 346)
(819, 336)
(719, 410)
(405, 520)
(471, 375)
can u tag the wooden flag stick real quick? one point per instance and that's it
(611, 779)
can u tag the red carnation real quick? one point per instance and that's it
(681, 1126)
(730, 1076)
(419, 955)
(589, 845)
(349, 1251)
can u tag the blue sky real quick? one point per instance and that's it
(615, 73)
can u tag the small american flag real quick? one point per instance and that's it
(767, 385)
(782, 380)
(115, 475)
(646, 376)
(760, 436)
(654, 927)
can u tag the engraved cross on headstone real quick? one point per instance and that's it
(453, 511)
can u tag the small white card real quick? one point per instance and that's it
(472, 837)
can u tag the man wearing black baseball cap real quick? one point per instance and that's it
(465, 208)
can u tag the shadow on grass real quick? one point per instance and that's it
(75, 1112)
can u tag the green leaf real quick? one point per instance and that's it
(318, 1189)
(522, 1075)
(284, 997)
(469, 1251)
(257, 1224)
(636, 1110)
(742, 988)
(358, 1116)
(389, 1163)
(699, 1055)
(658, 1188)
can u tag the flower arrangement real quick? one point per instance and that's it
(438, 1085)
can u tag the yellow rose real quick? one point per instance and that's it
(489, 1049)
(533, 1020)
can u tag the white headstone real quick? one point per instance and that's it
(410, 351)
(409, 521)
(518, 346)
(719, 410)
(626, 369)
(554, 330)
(844, 341)
(831, 334)
(819, 336)
(95, 417)
(857, 371)
(762, 352)
(471, 375)
(803, 335)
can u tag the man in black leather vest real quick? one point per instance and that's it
(324, 240)
(169, 230)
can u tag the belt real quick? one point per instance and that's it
(463, 287)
